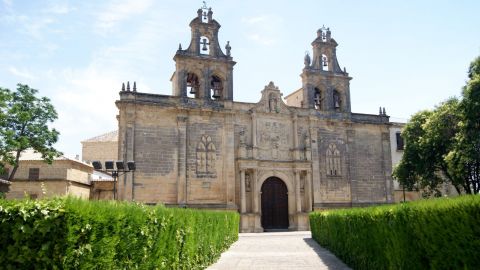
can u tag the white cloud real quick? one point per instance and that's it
(263, 29)
(118, 11)
(60, 8)
(25, 74)
(264, 40)
(7, 3)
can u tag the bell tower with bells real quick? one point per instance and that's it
(203, 70)
(325, 86)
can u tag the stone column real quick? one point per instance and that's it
(295, 138)
(182, 157)
(243, 201)
(308, 192)
(254, 192)
(254, 134)
(297, 192)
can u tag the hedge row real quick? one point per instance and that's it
(432, 234)
(69, 233)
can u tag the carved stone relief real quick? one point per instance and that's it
(273, 140)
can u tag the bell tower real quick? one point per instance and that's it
(203, 70)
(325, 86)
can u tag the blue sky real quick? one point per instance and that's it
(403, 55)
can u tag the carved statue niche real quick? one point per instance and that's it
(206, 155)
(273, 103)
(248, 183)
(302, 182)
(333, 161)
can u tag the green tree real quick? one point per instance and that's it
(428, 139)
(443, 145)
(464, 159)
(24, 120)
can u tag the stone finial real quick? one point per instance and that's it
(199, 13)
(228, 48)
(344, 70)
(329, 34)
(134, 86)
(380, 110)
(209, 14)
(306, 59)
(179, 46)
(383, 111)
(128, 86)
(123, 87)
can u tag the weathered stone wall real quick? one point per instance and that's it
(101, 190)
(57, 177)
(20, 188)
(102, 151)
(370, 164)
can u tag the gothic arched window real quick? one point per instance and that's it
(206, 155)
(333, 161)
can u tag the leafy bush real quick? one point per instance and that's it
(70, 233)
(431, 234)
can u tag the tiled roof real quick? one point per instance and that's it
(31, 154)
(111, 136)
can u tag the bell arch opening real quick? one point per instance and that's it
(216, 87)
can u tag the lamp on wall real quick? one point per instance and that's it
(114, 169)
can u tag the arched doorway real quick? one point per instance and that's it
(274, 204)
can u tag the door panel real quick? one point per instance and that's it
(274, 204)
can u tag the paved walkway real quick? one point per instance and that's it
(280, 250)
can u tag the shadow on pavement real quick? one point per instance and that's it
(330, 260)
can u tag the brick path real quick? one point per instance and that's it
(280, 250)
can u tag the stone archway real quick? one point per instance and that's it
(274, 202)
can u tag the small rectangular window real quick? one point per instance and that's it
(399, 141)
(33, 174)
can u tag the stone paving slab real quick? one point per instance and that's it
(279, 250)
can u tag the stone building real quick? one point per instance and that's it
(37, 179)
(273, 161)
(102, 147)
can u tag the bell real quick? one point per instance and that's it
(317, 99)
(192, 90)
(216, 93)
(337, 105)
(325, 62)
(204, 48)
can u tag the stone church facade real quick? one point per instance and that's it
(273, 161)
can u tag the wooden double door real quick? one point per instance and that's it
(274, 204)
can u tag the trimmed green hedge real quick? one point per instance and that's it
(67, 233)
(431, 234)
